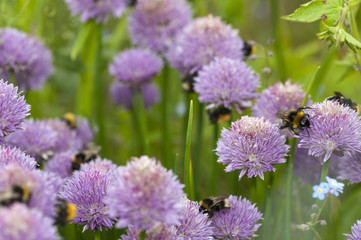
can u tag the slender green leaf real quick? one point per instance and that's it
(187, 159)
(315, 10)
(81, 39)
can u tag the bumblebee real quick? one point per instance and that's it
(219, 115)
(249, 48)
(214, 204)
(294, 119)
(91, 152)
(15, 194)
(70, 120)
(341, 99)
(188, 82)
(65, 212)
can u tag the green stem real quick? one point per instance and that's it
(139, 111)
(214, 175)
(188, 178)
(310, 85)
(289, 189)
(166, 118)
(199, 144)
(357, 37)
(324, 170)
(142, 235)
(279, 53)
(267, 230)
(97, 235)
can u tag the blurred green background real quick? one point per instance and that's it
(297, 53)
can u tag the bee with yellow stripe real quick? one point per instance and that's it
(70, 120)
(294, 119)
(341, 99)
(15, 194)
(65, 212)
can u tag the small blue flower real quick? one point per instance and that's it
(320, 190)
(335, 186)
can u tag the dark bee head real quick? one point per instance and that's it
(15, 194)
(219, 115)
(70, 120)
(249, 48)
(65, 212)
(86, 155)
(341, 99)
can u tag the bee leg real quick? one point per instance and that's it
(283, 127)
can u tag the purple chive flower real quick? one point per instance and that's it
(154, 24)
(144, 193)
(281, 96)
(37, 139)
(238, 222)
(356, 231)
(135, 67)
(192, 225)
(43, 194)
(84, 133)
(226, 83)
(99, 164)
(252, 145)
(20, 222)
(10, 155)
(13, 108)
(320, 191)
(30, 63)
(121, 95)
(99, 9)
(334, 129)
(203, 40)
(159, 232)
(350, 168)
(86, 189)
(61, 164)
(335, 187)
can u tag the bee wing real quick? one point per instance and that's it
(338, 94)
(282, 114)
(219, 199)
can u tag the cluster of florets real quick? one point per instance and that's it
(330, 187)
(29, 65)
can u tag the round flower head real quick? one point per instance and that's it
(38, 139)
(135, 67)
(239, 222)
(10, 155)
(159, 232)
(122, 95)
(154, 24)
(13, 108)
(334, 129)
(42, 195)
(99, 9)
(226, 83)
(20, 222)
(144, 193)
(201, 41)
(350, 168)
(86, 189)
(99, 164)
(279, 97)
(356, 231)
(251, 145)
(30, 63)
(192, 225)
(61, 164)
